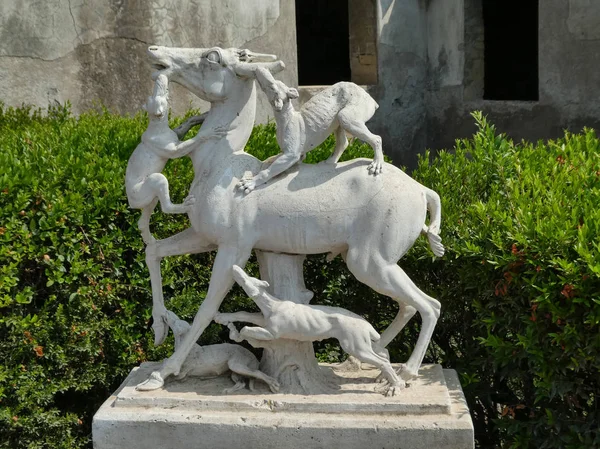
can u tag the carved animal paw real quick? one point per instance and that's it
(218, 132)
(375, 167)
(381, 379)
(274, 386)
(247, 185)
(395, 389)
(237, 387)
(189, 201)
(391, 389)
(234, 334)
(245, 55)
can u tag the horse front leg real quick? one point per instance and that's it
(221, 282)
(186, 242)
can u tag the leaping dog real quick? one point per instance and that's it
(304, 322)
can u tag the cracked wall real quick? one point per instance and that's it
(94, 51)
(431, 74)
(429, 60)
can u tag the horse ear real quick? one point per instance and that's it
(292, 93)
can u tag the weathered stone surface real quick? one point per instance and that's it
(583, 19)
(194, 414)
(429, 57)
(92, 52)
(569, 52)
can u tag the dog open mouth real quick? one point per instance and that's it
(160, 68)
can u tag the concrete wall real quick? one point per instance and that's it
(91, 51)
(428, 53)
(403, 77)
(569, 78)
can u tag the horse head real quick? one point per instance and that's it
(212, 74)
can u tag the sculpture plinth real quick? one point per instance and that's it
(194, 413)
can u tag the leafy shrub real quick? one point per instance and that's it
(520, 284)
(75, 297)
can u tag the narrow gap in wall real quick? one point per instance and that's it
(511, 50)
(323, 42)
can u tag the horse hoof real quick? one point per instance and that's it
(154, 382)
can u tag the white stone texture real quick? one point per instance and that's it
(325, 208)
(304, 322)
(194, 413)
(339, 109)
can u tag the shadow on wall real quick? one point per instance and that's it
(402, 63)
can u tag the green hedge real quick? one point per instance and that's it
(75, 297)
(519, 284)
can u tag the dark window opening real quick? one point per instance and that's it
(511, 50)
(323, 42)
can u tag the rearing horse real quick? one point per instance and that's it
(372, 221)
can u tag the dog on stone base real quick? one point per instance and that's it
(214, 360)
(304, 322)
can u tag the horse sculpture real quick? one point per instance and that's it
(372, 221)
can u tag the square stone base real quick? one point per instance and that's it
(194, 413)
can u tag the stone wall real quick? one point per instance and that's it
(569, 57)
(403, 77)
(94, 51)
(422, 60)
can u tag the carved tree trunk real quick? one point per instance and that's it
(291, 362)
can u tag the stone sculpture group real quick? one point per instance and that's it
(369, 212)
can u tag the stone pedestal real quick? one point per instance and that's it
(194, 413)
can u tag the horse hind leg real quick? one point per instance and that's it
(389, 279)
(405, 313)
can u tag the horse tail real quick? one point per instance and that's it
(434, 206)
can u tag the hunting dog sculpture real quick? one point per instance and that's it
(214, 360)
(336, 109)
(304, 322)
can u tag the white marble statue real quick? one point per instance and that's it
(144, 182)
(305, 322)
(215, 360)
(372, 221)
(343, 107)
